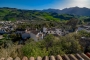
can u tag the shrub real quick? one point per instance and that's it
(32, 49)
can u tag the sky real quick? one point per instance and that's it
(44, 4)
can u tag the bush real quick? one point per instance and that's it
(50, 46)
(32, 49)
(12, 51)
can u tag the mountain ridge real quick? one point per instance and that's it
(72, 10)
(7, 13)
(84, 11)
(19, 14)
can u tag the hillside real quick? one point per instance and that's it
(18, 14)
(14, 14)
(73, 10)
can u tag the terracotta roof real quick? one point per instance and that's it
(34, 32)
(80, 56)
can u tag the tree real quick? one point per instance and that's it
(84, 33)
(15, 37)
(33, 49)
(49, 40)
(73, 23)
(70, 44)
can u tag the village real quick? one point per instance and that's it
(7, 27)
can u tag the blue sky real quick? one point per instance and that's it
(44, 4)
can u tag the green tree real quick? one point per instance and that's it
(70, 44)
(73, 24)
(49, 40)
(33, 49)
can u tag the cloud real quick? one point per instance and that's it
(73, 3)
(80, 3)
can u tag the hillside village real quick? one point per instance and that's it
(48, 35)
(7, 27)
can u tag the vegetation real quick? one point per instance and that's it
(50, 45)
(13, 14)
(83, 33)
(68, 44)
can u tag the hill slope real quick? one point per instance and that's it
(18, 14)
(14, 14)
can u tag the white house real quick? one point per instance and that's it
(53, 31)
(36, 35)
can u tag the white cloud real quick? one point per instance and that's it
(80, 3)
(73, 3)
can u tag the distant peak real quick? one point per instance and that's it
(76, 7)
(51, 9)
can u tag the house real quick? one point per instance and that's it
(25, 36)
(36, 35)
(85, 28)
(1, 37)
(54, 31)
(2, 31)
(23, 33)
(30, 33)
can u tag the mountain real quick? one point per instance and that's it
(18, 14)
(52, 10)
(73, 10)
(13, 14)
